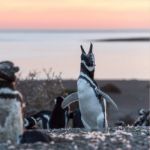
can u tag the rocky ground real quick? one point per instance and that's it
(118, 138)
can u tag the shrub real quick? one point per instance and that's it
(111, 88)
(39, 94)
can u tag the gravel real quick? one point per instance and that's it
(117, 138)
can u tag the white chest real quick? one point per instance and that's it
(89, 104)
(86, 95)
(11, 125)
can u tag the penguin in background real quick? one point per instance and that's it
(11, 104)
(143, 119)
(38, 120)
(59, 116)
(92, 101)
(43, 118)
(76, 119)
(30, 122)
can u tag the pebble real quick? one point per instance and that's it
(11, 147)
(124, 138)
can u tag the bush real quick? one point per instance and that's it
(111, 88)
(40, 94)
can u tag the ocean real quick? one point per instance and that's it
(60, 50)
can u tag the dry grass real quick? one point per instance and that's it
(40, 95)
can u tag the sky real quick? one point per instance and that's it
(74, 14)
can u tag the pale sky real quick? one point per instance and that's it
(74, 14)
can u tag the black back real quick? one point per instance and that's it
(77, 122)
(58, 116)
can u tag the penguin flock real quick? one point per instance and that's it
(92, 101)
(91, 114)
(38, 120)
(55, 119)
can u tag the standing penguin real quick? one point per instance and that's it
(92, 111)
(92, 101)
(11, 104)
(59, 115)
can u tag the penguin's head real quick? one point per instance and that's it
(142, 111)
(88, 60)
(8, 71)
(59, 100)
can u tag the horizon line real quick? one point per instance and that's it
(76, 30)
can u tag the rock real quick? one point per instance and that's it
(32, 136)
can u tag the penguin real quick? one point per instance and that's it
(143, 118)
(29, 122)
(43, 118)
(92, 101)
(92, 111)
(76, 119)
(11, 104)
(59, 116)
(39, 120)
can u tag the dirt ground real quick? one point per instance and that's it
(117, 138)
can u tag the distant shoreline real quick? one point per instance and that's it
(135, 39)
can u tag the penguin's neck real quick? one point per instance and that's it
(84, 70)
(4, 84)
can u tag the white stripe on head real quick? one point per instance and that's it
(87, 67)
(26, 122)
(34, 120)
(55, 100)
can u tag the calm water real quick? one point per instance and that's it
(61, 52)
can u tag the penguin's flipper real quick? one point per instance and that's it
(70, 99)
(107, 97)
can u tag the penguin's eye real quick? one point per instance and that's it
(55, 100)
